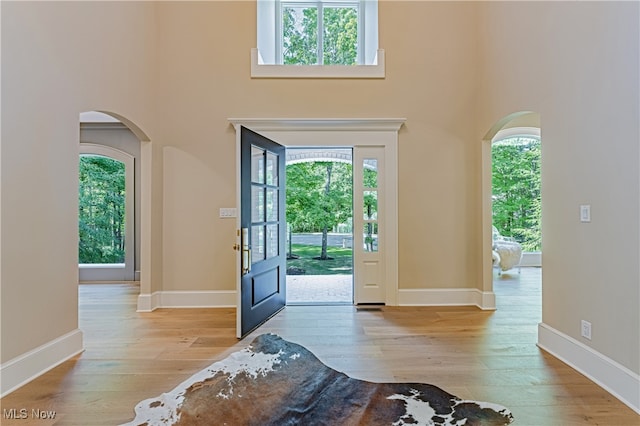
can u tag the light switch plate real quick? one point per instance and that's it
(226, 212)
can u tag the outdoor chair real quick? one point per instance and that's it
(507, 253)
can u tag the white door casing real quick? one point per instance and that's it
(376, 274)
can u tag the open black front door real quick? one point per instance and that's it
(262, 218)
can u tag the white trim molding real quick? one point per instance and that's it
(26, 367)
(148, 302)
(319, 124)
(485, 300)
(339, 132)
(514, 132)
(613, 377)
(187, 299)
(261, 70)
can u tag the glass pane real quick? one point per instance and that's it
(272, 240)
(257, 243)
(370, 175)
(370, 201)
(370, 236)
(257, 204)
(340, 35)
(102, 205)
(272, 169)
(272, 205)
(257, 165)
(299, 35)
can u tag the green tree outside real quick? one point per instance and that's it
(516, 190)
(370, 202)
(101, 210)
(319, 197)
(340, 36)
(300, 35)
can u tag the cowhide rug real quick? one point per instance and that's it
(275, 382)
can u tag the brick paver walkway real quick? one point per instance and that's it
(319, 289)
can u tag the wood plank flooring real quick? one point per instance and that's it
(487, 356)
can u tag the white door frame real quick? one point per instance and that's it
(381, 132)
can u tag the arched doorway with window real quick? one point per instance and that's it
(109, 201)
(106, 224)
(516, 201)
(512, 208)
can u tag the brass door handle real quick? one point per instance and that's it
(236, 247)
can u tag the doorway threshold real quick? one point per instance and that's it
(319, 303)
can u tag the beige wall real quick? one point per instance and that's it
(576, 64)
(431, 80)
(180, 69)
(58, 59)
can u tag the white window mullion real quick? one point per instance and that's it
(361, 32)
(320, 33)
(279, 37)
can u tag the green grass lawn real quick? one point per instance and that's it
(341, 264)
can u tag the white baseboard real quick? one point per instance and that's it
(148, 302)
(26, 367)
(485, 300)
(613, 377)
(187, 299)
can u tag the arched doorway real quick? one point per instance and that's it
(516, 190)
(518, 123)
(103, 123)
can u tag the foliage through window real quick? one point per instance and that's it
(321, 33)
(102, 210)
(370, 204)
(516, 190)
(319, 197)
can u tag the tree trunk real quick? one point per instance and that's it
(325, 228)
(323, 253)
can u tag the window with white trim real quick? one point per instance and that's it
(332, 34)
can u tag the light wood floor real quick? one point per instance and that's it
(486, 356)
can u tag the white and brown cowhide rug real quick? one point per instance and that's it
(275, 382)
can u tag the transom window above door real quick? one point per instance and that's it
(321, 38)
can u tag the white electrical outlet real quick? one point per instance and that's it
(585, 213)
(586, 329)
